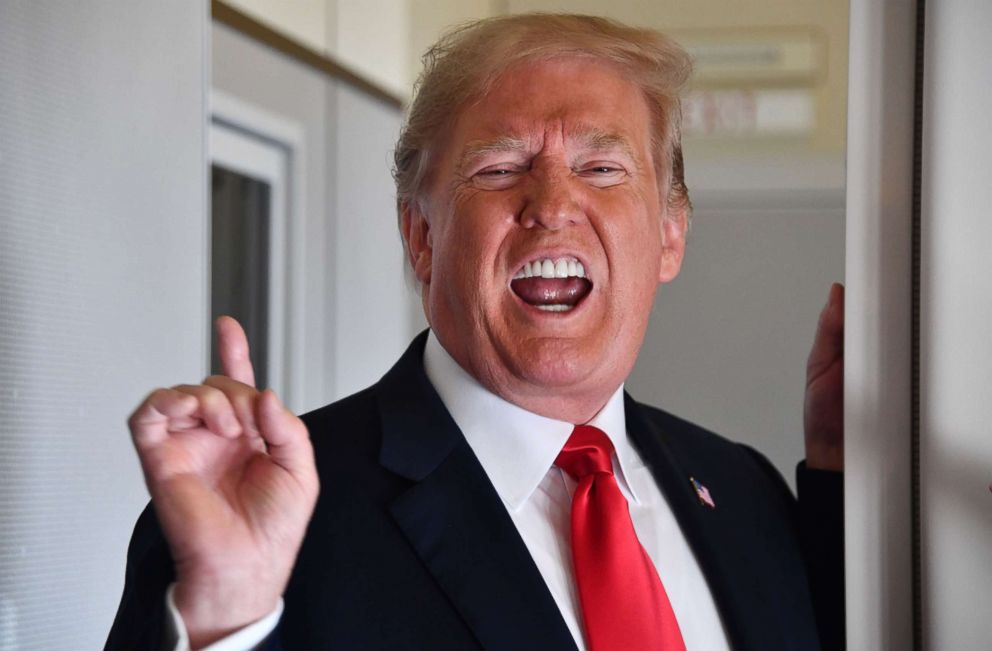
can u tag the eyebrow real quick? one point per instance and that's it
(599, 140)
(478, 148)
(592, 139)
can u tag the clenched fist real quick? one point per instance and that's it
(232, 476)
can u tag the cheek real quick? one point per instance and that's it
(481, 229)
(632, 234)
(465, 270)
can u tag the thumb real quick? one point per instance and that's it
(285, 435)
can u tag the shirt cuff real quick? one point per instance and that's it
(249, 638)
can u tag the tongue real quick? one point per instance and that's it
(551, 291)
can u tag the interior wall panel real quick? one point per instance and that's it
(956, 310)
(377, 311)
(102, 216)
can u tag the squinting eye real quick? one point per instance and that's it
(495, 178)
(603, 175)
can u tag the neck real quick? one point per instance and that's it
(559, 404)
(568, 408)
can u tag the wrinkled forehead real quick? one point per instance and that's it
(585, 102)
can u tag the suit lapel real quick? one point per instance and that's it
(712, 534)
(455, 521)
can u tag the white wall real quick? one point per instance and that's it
(372, 37)
(376, 312)
(102, 289)
(728, 339)
(956, 364)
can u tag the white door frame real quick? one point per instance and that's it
(878, 329)
(269, 147)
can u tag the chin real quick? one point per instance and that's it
(556, 363)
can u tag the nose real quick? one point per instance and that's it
(551, 202)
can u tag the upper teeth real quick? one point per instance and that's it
(548, 268)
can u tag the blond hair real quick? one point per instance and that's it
(465, 63)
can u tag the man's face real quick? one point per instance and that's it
(550, 174)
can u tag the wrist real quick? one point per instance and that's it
(825, 457)
(213, 610)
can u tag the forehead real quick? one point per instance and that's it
(575, 99)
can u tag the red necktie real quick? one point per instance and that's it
(624, 605)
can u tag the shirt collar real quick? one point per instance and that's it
(517, 447)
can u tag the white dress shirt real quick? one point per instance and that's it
(517, 449)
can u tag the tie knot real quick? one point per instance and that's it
(587, 451)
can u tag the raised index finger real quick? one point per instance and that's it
(233, 347)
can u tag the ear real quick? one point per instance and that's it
(674, 225)
(417, 238)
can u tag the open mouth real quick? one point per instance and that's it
(552, 285)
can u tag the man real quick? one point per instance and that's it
(496, 489)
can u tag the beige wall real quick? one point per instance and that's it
(304, 20)
(827, 19)
(371, 37)
(430, 18)
(384, 40)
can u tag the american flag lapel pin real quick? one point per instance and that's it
(702, 493)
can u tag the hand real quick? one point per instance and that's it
(232, 477)
(823, 413)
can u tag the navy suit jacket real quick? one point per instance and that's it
(410, 546)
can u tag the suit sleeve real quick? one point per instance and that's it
(818, 518)
(139, 624)
(821, 533)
